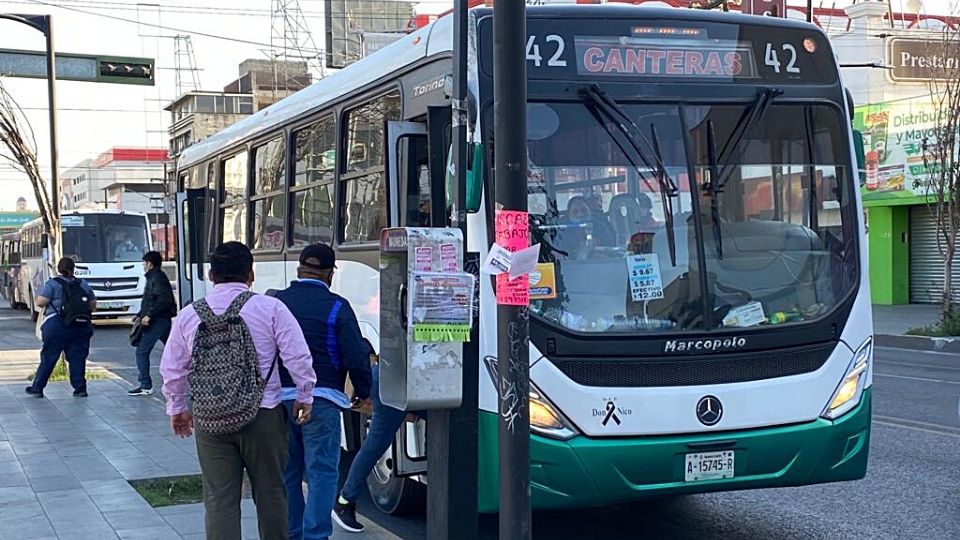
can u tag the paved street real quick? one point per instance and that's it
(912, 489)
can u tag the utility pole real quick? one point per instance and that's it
(512, 232)
(452, 437)
(54, 151)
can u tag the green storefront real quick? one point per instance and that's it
(902, 244)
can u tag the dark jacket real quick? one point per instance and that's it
(333, 335)
(158, 302)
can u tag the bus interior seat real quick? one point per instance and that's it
(623, 215)
(769, 256)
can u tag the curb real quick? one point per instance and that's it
(919, 343)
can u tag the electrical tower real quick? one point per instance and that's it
(291, 40)
(185, 65)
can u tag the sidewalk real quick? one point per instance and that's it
(891, 323)
(65, 463)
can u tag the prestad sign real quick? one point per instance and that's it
(920, 60)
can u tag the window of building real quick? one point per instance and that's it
(364, 210)
(205, 104)
(311, 200)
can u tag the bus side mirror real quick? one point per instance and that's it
(474, 177)
(861, 156)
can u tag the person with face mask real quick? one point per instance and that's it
(156, 313)
(583, 228)
(127, 250)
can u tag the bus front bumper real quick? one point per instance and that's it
(585, 472)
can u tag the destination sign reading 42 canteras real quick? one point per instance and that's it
(672, 50)
(645, 56)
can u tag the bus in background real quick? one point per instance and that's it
(700, 318)
(10, 268)
(107, 247)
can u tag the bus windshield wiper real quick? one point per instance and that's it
(668, 189)
(718, 173)
(748, 119)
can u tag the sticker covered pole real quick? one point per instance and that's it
(512, 232)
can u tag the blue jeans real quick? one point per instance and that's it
(159, 330)
(74, 342)
(383, 427)
(314, 453)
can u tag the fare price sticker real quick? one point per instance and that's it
(644, 274)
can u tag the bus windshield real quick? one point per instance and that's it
(104, 238)
(637, 237)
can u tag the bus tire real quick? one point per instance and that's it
(396, 496)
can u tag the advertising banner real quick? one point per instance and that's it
(896, 135)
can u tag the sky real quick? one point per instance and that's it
(95, 117)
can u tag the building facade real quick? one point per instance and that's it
(130, 179)
(890, 74)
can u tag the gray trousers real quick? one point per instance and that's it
(260, 448)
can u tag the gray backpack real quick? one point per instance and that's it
(225, 382)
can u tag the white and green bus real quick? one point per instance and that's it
(700, 318)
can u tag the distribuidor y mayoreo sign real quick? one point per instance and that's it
(920, 60)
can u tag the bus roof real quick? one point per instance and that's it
(10, 236)
(433, 39)
(427, 41)
(108, 211)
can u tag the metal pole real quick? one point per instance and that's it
(54, 154)
(452, 443)
(513, 365)
(809, 10)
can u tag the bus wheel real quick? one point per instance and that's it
(33, 308)
(393, 495)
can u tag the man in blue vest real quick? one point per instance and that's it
(333, 335)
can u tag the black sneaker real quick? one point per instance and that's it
(346, 516)
(80, 393)
(140, 391)
(35, 393)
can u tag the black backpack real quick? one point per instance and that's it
(76, 302)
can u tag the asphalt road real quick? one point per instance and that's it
(912, 488)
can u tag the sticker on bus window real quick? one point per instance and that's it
(543, 282)
(71, 221)
(644, 274)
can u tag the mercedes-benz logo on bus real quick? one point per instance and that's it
(709, 410)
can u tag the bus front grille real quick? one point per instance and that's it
(696, 370)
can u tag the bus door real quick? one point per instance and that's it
(190, 217)
(414, 173)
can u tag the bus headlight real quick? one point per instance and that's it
(545, 419)
(847, 394)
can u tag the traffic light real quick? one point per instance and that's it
(130, 71)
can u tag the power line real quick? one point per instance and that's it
(160, 26)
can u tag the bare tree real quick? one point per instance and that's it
(940, 159)
(19, 147)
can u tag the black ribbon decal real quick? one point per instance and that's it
(611, 414)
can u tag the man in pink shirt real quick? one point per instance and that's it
(260, 447)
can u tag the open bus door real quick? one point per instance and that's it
(190, 217)
(408, 177)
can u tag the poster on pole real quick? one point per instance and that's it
(513, 234)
